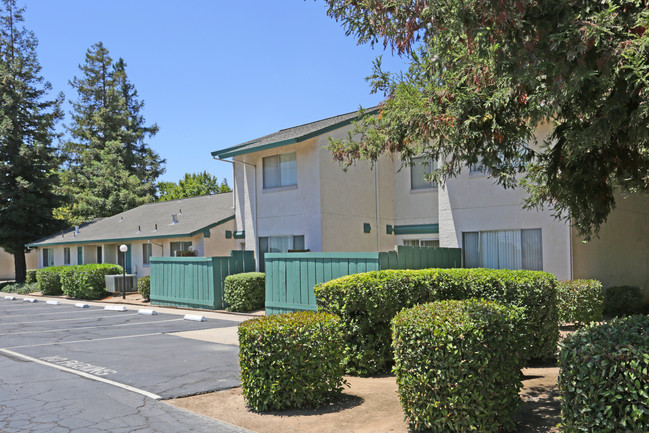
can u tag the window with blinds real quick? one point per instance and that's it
(280, 170)
(503, 249)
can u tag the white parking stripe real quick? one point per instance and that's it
(70, 312)
(90, 327)
(83, 374)
(67, 320)
(84, 341)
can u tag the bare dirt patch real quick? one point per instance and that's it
(370, 405)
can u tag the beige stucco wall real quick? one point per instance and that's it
(349, 200)
(285, 211)
(7, 266)
(620, 256)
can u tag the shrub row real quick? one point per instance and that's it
(87, 281)
(49, 280)
(580, 301)
(367, 302)
(603, 377)
(30, 276)
(456, 365)
(144, 287)
(245, 292)
(290, 360)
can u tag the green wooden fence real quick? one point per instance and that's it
(290, 277)
(195, 282)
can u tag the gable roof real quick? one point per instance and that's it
(292, 135)
(151, 221)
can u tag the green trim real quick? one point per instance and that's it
(241, 150)
(138, 238)
(415, 229)
(367, 227)
(388, 229)
(240, 234)
(228, 234)
(291, 306)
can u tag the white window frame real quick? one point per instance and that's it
(496, 248)
(49, 260)
(286, 164)
(419, 162)
(421, 242)
(147, 253)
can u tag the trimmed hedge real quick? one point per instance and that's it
(49, 280)
(603, 377)
(87, 281)
(367, 302)
(580, 301)
(623, 301)
(144, 287)
(245, 292)
(456, 365)
(290, 360)
(30, 276)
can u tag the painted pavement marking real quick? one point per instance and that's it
(90, 327)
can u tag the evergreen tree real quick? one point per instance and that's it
(28, 161)
(192, 185)
(109, 166)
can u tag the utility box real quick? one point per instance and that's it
(118, 283)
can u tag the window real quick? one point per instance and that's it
(100, 256)
(420, 172)
(79, 255)
(280, 170)
(147, 252)
(278, 244)
(503, 249)
(66, 256)
(421, 242)
(180, 249)
(48, 257)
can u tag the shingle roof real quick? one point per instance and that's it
(292, 135)
(194, 215)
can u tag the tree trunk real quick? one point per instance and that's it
(20, 265)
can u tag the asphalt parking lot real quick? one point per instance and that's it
(100, 359)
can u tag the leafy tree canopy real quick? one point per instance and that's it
(28, 161)
(192, 185)
(485, 75)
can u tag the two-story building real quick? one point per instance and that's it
(289, 194)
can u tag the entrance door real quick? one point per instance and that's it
(120, 258)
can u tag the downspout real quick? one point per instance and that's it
(376, 201)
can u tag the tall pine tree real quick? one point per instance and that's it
(109, 167)
(28, 162)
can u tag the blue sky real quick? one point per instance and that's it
(212, 73)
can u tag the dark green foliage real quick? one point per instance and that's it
(49, 280)
(192, 185)
(87, 281)
(580, 301)
(28, 160)
(245, 292)
(603, 377)
(109, 168)
(31, 276)
(457, 365)
(367, 302)
(623, 301)
(144, 287)
(484, 75)
(290, 360)
(19, 288)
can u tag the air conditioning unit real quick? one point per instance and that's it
(117, 283)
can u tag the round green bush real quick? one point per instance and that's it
(144, 287)
(245, 292)
(604, 377)
(30, 276)
(290, 360)
(580, 301)
(367, 302)
(48, 280)
(623, 301)
(87, 281)
(457, 365)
